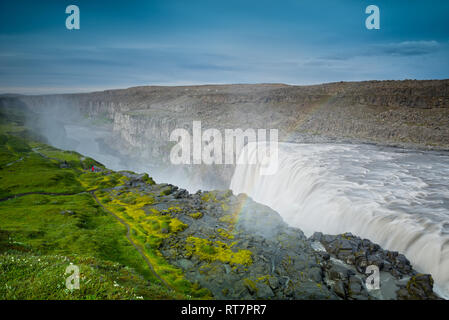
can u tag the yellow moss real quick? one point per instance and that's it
(225, 207)
(176, 225)
(250, 284)
(223, 233)
(217, 250)
(205, 197)
(209, 196)
(100, 180)
(135, 198)
(263, 278)
(123, 180)
(147, 233)
(229, 218)
(196, 215)
(173, 210)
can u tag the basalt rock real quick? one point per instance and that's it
(407, 113)
(239, 249)
(354, 255)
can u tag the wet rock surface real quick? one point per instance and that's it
(356, 257)
(239, 249)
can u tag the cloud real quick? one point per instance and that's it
(75, 67)
(408, 48)
(394, 49)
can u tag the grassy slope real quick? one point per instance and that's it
(42, 234)
(147, 233)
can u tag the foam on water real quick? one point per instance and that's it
(396, 198)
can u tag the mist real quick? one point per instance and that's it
(66, 127)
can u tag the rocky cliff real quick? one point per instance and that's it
(203, 244)
(407, 113)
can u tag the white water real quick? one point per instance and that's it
(396, 198)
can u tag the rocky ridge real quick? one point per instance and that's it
(239, 249)
(406, 113)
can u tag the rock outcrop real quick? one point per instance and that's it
(239, 249)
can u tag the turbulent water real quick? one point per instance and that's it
(397, 198)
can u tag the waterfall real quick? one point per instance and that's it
(396, 198)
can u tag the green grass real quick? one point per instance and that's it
(25, 275)
(69, 224)
(51, 226)
(11, 148)
(29, 166)
(71, 157)
(47, 232)
(37, 174)
(147, 233)
(23, 170)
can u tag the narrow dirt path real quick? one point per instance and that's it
(11, 163)
(128, 236)
(92, 192)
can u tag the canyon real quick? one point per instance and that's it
(405, 113)
(357, 157)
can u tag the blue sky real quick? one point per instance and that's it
(173, 42)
